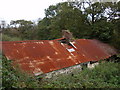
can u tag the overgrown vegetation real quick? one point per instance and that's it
(105, 75)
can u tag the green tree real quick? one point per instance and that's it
(64, 16)
(43, 31)
(23, 27)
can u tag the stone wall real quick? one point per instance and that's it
(69, 70)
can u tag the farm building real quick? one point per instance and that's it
(43, 56)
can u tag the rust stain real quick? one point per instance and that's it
(42, 56)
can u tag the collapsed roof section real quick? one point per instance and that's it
(43, 56)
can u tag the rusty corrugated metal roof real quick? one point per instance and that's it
(42, 56)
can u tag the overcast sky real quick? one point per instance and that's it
(24, 9)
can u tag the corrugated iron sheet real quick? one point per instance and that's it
(42, 56)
